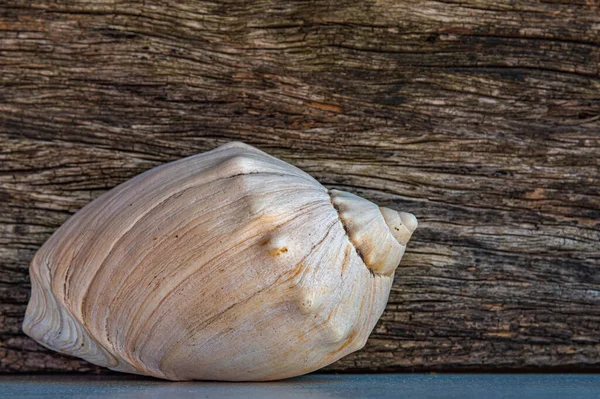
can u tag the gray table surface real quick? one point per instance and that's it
(570, 386)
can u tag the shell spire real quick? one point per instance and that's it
(378, 234)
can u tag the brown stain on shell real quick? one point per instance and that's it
(277, 251)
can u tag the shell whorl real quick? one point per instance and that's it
(379, 234)
(228, 265)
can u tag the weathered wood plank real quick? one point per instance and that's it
(482, 117)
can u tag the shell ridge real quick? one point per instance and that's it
(274, 160)
(253, 153)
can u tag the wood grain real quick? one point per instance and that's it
(482, 117)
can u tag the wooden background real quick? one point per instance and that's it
(482, 117)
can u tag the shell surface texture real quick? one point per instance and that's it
(227, 265)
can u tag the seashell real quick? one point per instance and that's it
(228, 265)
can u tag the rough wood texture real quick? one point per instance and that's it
(482, 117)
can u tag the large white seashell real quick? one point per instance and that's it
(228, 265)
